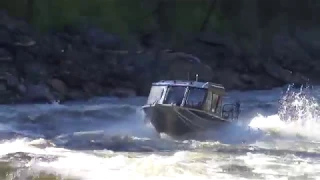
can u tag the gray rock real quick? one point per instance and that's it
(12, 81)
(98, 38)
(181, 66)
(59, 86)
(85, 61)
(284, 75)
(229, 79)
(38, 92)
(92, 89)
(5, 37)
(76, 94)
(5, 56)
(3, 87)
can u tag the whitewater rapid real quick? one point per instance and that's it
(106, 137)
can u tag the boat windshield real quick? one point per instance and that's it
(156, 94)
(175, 95)
(196, 97)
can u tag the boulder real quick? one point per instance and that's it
(3, 87)
(97, 37)
(5, 55)
(12, 81)
(229, 79)
(219, 40)
(94, 36)
(258, 81)
(92, 89)
(182, 66)
(38, 93)
(79, 67)
(291, 54)
(58, 86)
(35, 70)
(76, 94)
(309, 40)
(284, 75)
(15, 84)
(5, 37)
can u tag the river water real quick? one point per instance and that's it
(107, 138)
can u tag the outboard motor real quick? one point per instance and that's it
(231, 111)
(237, 109)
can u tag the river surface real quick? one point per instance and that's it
(107, 138)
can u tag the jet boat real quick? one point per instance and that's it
(179, 107)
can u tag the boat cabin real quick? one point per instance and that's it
(204, 96)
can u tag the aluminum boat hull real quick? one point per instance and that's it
(177, 121)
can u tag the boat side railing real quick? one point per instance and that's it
(230, 111)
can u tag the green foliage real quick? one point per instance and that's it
(15, 8)
(219, 23)
(240, 17)
(120, 16)
(190, 15)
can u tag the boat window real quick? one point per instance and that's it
(208, 102)
(175, 95)
(215, 100)
(196, 97)
(156, 94)
(219, 103)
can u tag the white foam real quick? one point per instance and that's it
(300, 117)
(88, 166)
(179, 165)
(274, 166)
(310, 129)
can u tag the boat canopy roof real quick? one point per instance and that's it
(216, 88)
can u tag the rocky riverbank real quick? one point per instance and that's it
(79, 63)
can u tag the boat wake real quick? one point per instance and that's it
(298, 117)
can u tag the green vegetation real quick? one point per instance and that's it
(120, 16)
(244, 18)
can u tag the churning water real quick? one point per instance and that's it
(107, 138)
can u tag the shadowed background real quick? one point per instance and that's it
(78, 49)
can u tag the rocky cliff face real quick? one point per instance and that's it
(241, 48)
(81, 63)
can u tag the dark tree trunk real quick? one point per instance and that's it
(208, 15)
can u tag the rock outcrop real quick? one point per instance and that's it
(79, 63)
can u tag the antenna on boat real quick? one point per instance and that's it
(196, 77)
(188, 75)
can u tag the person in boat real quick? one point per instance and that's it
(196, 98)
(237, 109)
(175, 96)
